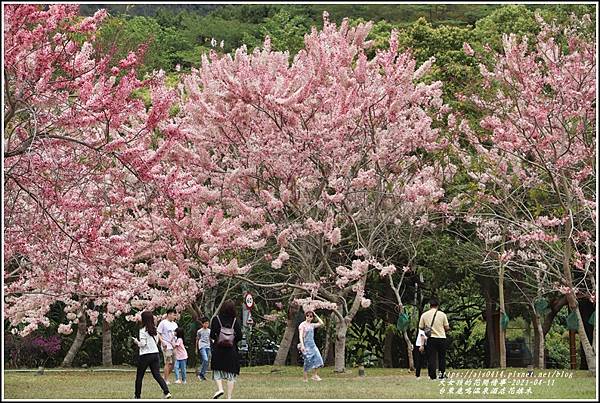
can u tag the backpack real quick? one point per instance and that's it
(428, 329)
(226, 335)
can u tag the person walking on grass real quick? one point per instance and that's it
(226, 333)
(181, 356)
(310, 352)
(166, 330)
(419, 352)
(203, 345)
(148, 357)
(437, 322)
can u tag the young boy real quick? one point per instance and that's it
(203, 343)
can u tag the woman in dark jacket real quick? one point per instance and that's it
(225, 361)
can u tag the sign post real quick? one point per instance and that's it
(248, 321)
(249, 303)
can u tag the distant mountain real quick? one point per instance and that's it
(147, 10)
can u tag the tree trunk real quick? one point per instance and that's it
(388, 345)
(490, 324)
(409, 351)
(327, 350)
(284, 344)
(587, 308)
(79, 338)
(106, 345)
(538, 340)
(196, 311)
(294, 350)
(288, 336)
(327, 346)
(588, 350)
(329, 356)
(340, 345)
(409, 346)
(343, 323)
(501, 342)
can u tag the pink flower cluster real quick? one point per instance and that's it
(309, 304)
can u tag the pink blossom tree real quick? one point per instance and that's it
(78, 146)
(323, 152)
(534, 160)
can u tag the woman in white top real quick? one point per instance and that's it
(148, 344)
(419, 352)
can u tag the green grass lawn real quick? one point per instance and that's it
(260, 383)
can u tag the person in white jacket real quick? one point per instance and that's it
(148, 344)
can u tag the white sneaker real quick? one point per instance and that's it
(167, 396)
(178, 381)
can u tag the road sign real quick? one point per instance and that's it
(249, 300)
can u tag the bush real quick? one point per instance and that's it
(31, 351)
(557, 349)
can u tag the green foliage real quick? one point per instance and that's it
(474, 330)
(253, 14)
(557, 341)
(126, 35)
(557, 349)
(448, 266)
(516, 19)
(452, 66)
(268, 330)
(445, 261)
(379, 34)
(147, 10)
(201, 30)
(467, 340)
(561, 13)
(123, 350)
(364, 345)
(517, 330)
(188, 58)
(179, 34)
(286, 31)
(144, 95)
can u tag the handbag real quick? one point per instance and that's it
(226, 334)
(428, 329)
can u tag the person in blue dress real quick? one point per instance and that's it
(310, 351)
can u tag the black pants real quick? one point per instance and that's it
(436, 347)
(152, 361)
(419, 358)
